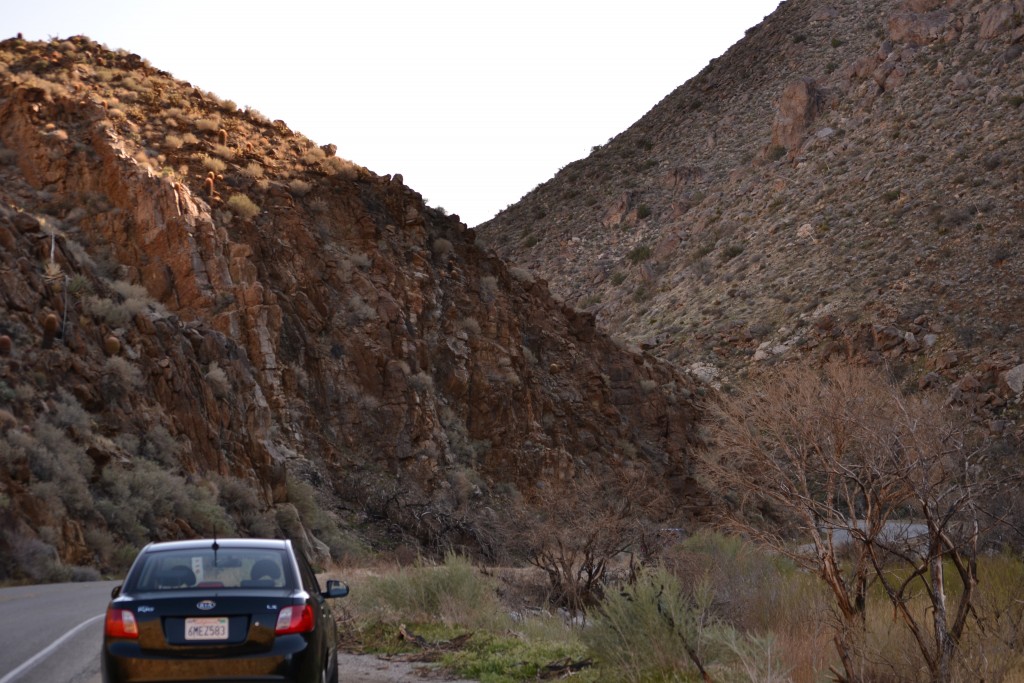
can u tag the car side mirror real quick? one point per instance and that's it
(336, 589)
(116, 591)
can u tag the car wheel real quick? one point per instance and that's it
(332, 676)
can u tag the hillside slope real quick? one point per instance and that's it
(208, 323)
(846, 181)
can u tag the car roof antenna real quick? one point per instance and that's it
(216, 547)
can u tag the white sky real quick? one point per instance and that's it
(475, 102)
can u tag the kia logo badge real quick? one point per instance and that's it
(206, 604)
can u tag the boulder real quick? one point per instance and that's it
(800, 103)
(1014, 379)
(918, 28)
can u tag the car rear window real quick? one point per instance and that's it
(206, 568)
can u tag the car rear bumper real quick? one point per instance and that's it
(289, 660)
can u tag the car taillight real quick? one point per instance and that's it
(294, 619)
(121, 623)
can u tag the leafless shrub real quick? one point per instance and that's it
(841, 461)
(573, 529)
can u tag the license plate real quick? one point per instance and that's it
(206, 628)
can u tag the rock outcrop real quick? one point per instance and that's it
(249, 321)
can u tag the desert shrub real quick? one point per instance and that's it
(644, 632)
(123, 371)
(69, 413)
(159, 446)
(137, 502)
(252, 170)
(106, 310)
(751, 589)
(129, 301)
(455, 593)
(359, 310)
(731, 252)
(336, 166)
(421, 382)
(243, 206)
(488, 288)
(32, 558)
(218, 380)
(189, 139)
(236, 495)
(208, 124)
(299, 187)
(638, 254)
(173, 142)
(313, 155)
(318, 521)
(442, 248)
(212, 163)
(522, 275)
(361, 260)
(51, 452)
(222, 151)
(102, 544)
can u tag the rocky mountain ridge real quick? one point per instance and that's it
(845, 182)
(210, 324)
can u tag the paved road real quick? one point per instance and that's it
(34, 618)
(52, 634)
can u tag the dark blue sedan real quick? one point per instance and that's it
(221, 610)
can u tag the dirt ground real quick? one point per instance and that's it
(373, 669)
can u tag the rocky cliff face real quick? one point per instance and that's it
(209, 323)
(845, 182)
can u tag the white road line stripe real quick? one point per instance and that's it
(43, 654)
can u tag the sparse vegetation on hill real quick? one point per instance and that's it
(844, 182)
